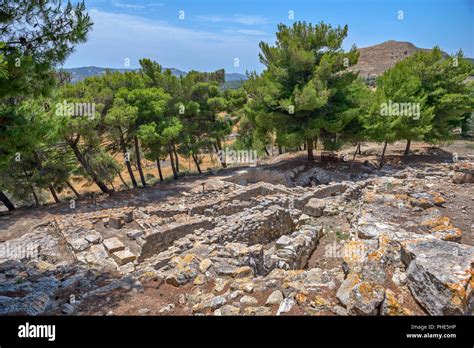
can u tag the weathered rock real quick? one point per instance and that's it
(275, 298)
(282, 242)
(463, 178)
(218, 301)
(338, 310)
(204, 265)
(391, 306)
(67, 309)
(185, 269)
(315, 207)
(32, 304)
(143, 311)
(365, 299)
(344, 291)
(243, 272)
(200, 279)
(257, 311)
(168, 308)
(285, 306)
(438, 275)
(227, 310)
(248, 300)
(399, 278)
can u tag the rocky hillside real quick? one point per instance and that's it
(374, 60)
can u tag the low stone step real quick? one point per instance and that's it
(123, 257)
(113, 244)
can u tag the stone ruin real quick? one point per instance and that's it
(255, 231)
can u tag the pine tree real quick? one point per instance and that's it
(302, 87)
(35, 37)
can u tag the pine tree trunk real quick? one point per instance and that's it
(280, 150)
(196, 161)
(139, 163)
(357, 151)
(407, 148)
(159, 169)
(170, 151)
(6, 201)
(266, 151)
(218, 148)
(72, 189)
(87, 168)
(382, 158)
(176, 158)
(309, 146)
(33, 192)
(35, 196)
(355, 154)
(54, 194)
(360, 149)
(127, 162)
(122, 180)
(39, 165)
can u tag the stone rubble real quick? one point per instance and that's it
(244, 246)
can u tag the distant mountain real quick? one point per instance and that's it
(374, 60)
(81, 73)
(235, 77)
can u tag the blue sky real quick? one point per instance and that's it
(213, 33)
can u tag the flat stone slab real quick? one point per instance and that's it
(113, 244)
(98, 251)
(94, 238)
(78, 244)
(123, 256)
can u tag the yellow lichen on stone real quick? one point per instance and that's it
(392, 307)
(458, 294)
(319, 301)
(200, 279)
(402, 197)
(437, 221)
(301, 297)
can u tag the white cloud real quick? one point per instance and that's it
(128, 6)
(250, 32)
(238, 18)
(115, 37)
